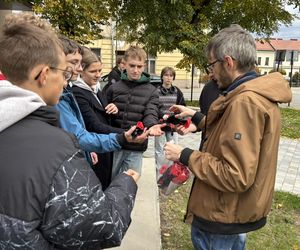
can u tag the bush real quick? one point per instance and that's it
(281, 71)
(295, 77)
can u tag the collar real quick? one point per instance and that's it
(240, 80)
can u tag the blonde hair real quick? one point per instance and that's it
(135, 51)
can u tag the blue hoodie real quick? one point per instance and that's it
(71, 120)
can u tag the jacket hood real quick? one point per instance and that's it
(145, 77)
(81, 84)
(16, 103)
(272, 86)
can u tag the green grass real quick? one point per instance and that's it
(192, 103)
(282, 231)
(175, 233)
(290, 119)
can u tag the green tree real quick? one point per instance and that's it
(79, 20)
(187, 25)
(165, 25)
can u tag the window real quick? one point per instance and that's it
(267, 61)
(259, 61)
(151, 64)
(97, 51)
(289, 56)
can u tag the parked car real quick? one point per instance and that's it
(154, 79)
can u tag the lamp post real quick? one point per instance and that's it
(192, 83)
(291, 74)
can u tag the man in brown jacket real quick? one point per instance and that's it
(235, 171)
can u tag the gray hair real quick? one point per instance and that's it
(235, 42)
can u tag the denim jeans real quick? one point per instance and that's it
(159, 143)
(203, 240)
(125, 159)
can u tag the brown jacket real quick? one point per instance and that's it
(235, 172)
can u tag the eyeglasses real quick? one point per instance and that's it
(68, 73)
(209, 67)
(76, 64)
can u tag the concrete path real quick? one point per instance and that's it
(144, 232)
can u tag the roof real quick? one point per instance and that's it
(263, 45)
(278, 44)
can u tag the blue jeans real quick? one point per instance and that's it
(203, 240)
(125, 159)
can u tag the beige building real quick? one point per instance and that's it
(276, 54)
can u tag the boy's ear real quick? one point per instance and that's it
(43, 76)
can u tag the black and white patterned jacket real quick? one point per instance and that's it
(50, 198)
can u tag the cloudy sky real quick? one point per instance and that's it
(292, 31)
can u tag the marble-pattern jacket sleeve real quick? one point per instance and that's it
(78, 214)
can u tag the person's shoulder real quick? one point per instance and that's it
(177, 88)
(211, 84)
(78, 90)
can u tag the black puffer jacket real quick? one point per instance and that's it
(50, 197)
(136, 101)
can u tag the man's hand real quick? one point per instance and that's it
(183, 111)
(156, 130)
(135, 175)
(182, 130)
(139, 139)
(111, 109)
(94, 157)
(172, 151)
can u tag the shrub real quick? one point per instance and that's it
(281, 71)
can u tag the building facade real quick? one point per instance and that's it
(278, 55)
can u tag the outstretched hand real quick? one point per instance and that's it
(139, 139)
(182, 130)
(182, 111)
(156, 130)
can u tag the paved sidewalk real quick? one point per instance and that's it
(144, 232)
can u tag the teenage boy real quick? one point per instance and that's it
(50, 197)
(137, 101)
